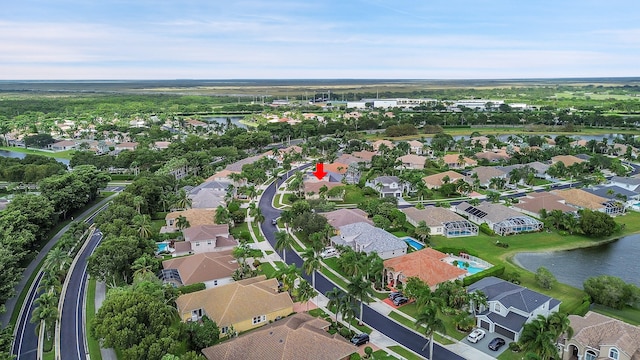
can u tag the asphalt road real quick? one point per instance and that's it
(25, 342)
(72, 318)
(374, 319)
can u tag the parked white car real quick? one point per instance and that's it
(476, 335)
(329, 252)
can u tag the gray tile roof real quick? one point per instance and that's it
(603, 191)
(512, 321)
(386, 180)
(625, 180)
(368, 238)
(509, 294)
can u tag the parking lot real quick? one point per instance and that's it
(483, 345)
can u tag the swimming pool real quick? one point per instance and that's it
(472, 269)
(413, 243)
(163, 247)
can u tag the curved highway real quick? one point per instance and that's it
(25, 342)
(381, 323)
(72, 318)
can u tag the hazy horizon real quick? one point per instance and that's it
(287, 39)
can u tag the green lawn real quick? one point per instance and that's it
(382, 355)
(404, 353)
(410, 324)
(267, 270)
(94, 345)
(256, 231)
(628, 314)
(61, 154)
(331, 276)
(238, 229)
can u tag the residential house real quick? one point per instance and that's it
(582, 199)
(627, 183)
(615, 193)
(411, 161)
(211, 268)
(455, 161)
(596, 336)
(313, 188)
(426, 264)
(367, 238)
(485, 174)
(365, 155)
(533, 203)
(567, 160)
(126, 146)
(499, 218)
(509, 306)
(355, 165)
(441, 221)
(63, 145)
(195, 123)
(205, 238)
(222, 175)
(299, 336)
(388, 186)
(194, 217)
(539, 168)
(161, 145)
(493, 156)
(480, 140)
(342, 217)
(436, 180)
(244, 304)
(209, 194)
(376, 144)
(416, 147)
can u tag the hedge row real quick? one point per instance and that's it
(191, 288)
(456, 251)
(484, 228)
(496, 270)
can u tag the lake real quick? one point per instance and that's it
(223, 120)
(573, 267)
(19, 155)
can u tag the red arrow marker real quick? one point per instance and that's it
(319, 173)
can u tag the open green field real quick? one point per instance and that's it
(587, 95)
(60, 154)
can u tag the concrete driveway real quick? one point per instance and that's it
(483, 345)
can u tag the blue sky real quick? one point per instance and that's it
(236, 39)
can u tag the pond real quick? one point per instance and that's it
(19, 155)
(573, 267)
(223, 120)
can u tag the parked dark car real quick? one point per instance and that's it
(496, 343)
(400, 300)
(394, 295)
(360, 339)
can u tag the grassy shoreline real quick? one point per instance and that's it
(67, 154)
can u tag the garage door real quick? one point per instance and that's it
(484, 324)
(502, 331)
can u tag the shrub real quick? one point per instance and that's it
(456, 251)
(355, 356)
(515, 347)
(345, 333)
(545, 278)
(485, 229)
(502, 244)
(191, 288)
(496, 270)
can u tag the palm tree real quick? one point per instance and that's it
(477, 299)
(422, 231)
(57, 261)
(306, 292)
(138, 201)
(288, 275)
(256, 213)
(284, 242)
(50, 283)
(538, 339)
(183, 201)
(143, 265)
(360, 289)
(222, 215)
(142, 224)
(47, 311)
(348, 312)
(182, 223)
(311, 264)
(335, 297)
(428, 320)
(559, 324)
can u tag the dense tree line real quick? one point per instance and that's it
(30, 169)
(612, 291)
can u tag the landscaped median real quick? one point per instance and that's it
(90, 311)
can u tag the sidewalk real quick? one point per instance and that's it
(101, 293)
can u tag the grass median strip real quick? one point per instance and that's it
(94, 345)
